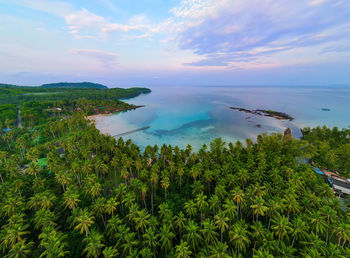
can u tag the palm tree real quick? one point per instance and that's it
(221, 221)
(343, 233)
(71, 199)
(12, 204)
(202, 204)
(154, 181)
(300, 229)
(110, 252)
(21, 249)
(111, 206)
(238, 197)
(165, 183)
(190, 208)
(192, 235)
(258, 207)
(230, 210)
(83, 221)
(317, 222)
(180, 173)
(150, 239)
(208, 177)
(182, 250)
(214, 204)
(281, 227)
(99, 208)
(166, 237)
(53, 242)
(43, 218)
(93, 244)
(142, 220)
(129, 243)
(329, 216)
(13, 234)
(180, 221)
(209, 233)
(144, 190)
(124, 173)
(291, 204)
(112, 225)
(219, 251)
(258, 233)
(239, 236)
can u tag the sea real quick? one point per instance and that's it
(196, 115)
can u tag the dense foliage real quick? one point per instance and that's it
(81, 85)
(101, 197)
(332, 148)
(38, 104)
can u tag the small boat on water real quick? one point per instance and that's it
(325, 109)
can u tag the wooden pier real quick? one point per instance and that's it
(132, 131)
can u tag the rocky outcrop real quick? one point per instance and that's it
(262, 112)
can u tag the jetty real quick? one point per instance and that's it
(132, 131)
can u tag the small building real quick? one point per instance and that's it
(341, 186)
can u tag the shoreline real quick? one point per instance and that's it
(93, 117)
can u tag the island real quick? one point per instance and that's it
(67, 190)
(262, 112)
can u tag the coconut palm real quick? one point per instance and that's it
(150, 240)
(94, 244)
(180, 222)
(111, 206)
(142, 220)
(221, 221)
(53, 242)
(130, 243)
(259, 207)
(201, 204)
(165, 238)
(183, 250)
(299, 229)
(192, 234)
(190, 208)
(21, 249)
(112, 225)
(165, 183)
(209, 233)
(281, 227)
(238, 197)
(317, 223)
(71, 199)
(239, 236)
(219, 251)
(110, 252)
(83, 220)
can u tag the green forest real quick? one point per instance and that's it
(38, 104)
(66, 190)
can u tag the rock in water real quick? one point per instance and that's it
(288, 131)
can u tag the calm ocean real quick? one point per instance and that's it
(197, 115)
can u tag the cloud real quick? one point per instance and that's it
(230, 33)
(84, 22)
(106, 59)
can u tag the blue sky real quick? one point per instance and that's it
(175, 42)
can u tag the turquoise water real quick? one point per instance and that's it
(197, 115)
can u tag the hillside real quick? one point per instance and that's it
(80, 85)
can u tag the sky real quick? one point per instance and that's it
(176, 42)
